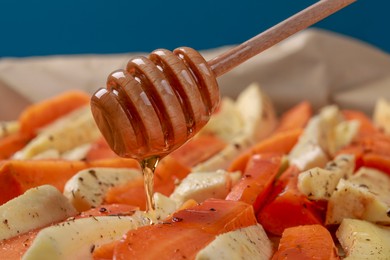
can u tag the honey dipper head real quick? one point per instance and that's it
(156, 104)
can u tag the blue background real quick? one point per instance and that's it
(31, 28)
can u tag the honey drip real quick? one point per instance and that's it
(148, 167)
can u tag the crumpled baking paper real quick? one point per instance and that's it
(313, 65)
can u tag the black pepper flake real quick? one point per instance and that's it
(363, 186)
(92, 249)
(213, 209)
(388, 213)
(237, 146)
(81, 179)
(93, 173)
(248, 175)
(176, 219)
(5, 221)
(102, 210)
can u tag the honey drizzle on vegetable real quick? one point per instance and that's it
(148, 166)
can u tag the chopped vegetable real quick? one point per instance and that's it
(198, 150)
(188, 230)
(17, 176)
(364, 240)
(12, 143)
(296, 117)
(40, 114)
(306, 243)
(281, 142)
(288, 207)
(257, 180)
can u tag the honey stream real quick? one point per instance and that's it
(148, 167)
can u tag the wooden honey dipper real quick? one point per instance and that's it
(159, 102)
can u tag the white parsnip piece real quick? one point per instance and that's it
(319, 183)
(364, 196)
(88, 187)
(381, 115)
(36, 208)
(66, 133)
(364, 240)
(202, 185)
(244, 243)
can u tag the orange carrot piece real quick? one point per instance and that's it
(186, 232)
(105, 252)
(42, 113)
(133, 193)
(289, 207)
(198, 150)
(377, 161)
(257, 180)
(109, 210)
(370, 150)
(295, 117)
(100, 150)
(18, 176)
(14, 248)
(12, 143)
(306, 243)
(281, 142)
(366, 125)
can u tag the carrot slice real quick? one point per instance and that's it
(370, 150)
(105, 252)
(283, 138)
(12, 143)
(257, 180)
(109, 210)
(186, 232)
(14, 248)
(133, 193)
(295, 117)
(306, 242)
(198, 150)
(281, 142)
(378, 161)
(289, 207)
(18, 176)
(42, 113)
(100, 150)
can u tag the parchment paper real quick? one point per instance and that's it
(315, 65)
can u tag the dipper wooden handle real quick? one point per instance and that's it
(307, 17)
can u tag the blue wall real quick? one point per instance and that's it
(45, 27)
